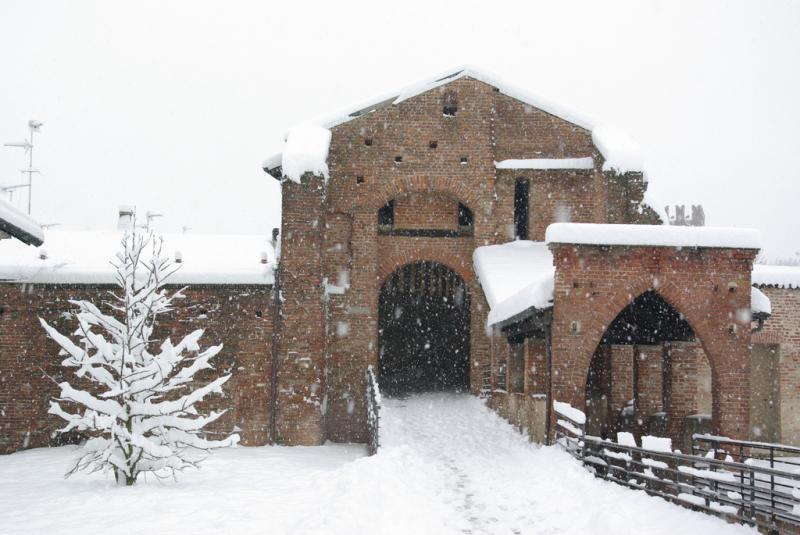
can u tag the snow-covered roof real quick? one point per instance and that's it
(653, 235)
(619, 150)
(759, 302)
(515, 277)
(83, 257)
(547, 163)
(777, 276)
(19, 225)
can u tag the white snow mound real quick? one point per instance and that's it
(306, 151)
(515, 276)
(621, 152)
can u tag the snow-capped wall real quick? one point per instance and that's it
(778, 276)
(653, 235)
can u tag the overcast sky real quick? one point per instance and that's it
(172, 106)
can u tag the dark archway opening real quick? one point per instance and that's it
(643, 377)
(423, 330)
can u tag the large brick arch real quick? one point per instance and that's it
(422, 254)
(594, 284)
(391, 188)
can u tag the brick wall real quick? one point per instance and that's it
(425, 211)
(650, 379)
(783, 329)
(239, 317)
(594, 283)
(301, 344)
(621, 377)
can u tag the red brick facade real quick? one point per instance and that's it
(335, 259)
(708, 286)
(240, 317)
(426, 162)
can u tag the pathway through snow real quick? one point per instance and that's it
(448, 465)
(499, 483)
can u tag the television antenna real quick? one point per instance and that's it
(27, 145)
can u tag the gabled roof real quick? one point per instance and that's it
(272, 164)
(19, 225)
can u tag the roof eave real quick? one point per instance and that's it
(20, 234)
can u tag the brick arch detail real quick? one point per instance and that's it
(389, 189)
(429, 254)
(725, 352)
(626, 294)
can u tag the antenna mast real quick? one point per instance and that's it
(27, 145)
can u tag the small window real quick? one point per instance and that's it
(463, 160)
(521, 195)
(433, 144)
(359, 179)
(450, 106)
(368, 142)
(386, 215)
(398, 159)
(464, 217)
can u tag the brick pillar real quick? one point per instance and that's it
(621, 377)
(682, 388)
(650, 385)
(302, 338)
(355, 346)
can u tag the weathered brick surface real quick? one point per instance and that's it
(650, 379)
(783, 329)
(335, 260)
(239, 317)
(426, 187)
(708, 286)
(621, 377)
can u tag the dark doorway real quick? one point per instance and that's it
(423, 330)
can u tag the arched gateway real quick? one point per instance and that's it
(423, 330)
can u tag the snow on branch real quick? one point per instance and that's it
(140, 408)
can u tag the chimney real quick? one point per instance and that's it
(125, 221)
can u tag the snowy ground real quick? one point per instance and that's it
(448, 465)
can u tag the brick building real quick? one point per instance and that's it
(398, 251)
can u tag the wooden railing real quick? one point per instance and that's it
(373, 412)
(764, 492)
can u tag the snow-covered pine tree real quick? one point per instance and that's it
(140, 408)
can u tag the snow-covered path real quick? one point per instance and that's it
(499, 483)
(448, 465)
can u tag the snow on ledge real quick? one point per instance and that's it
(306, 151)
(515, 277)
(622, 154)
(653, 235)
(19, 225)
(565, 409)
(547, 163)
(759, 302)
(777, 276)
